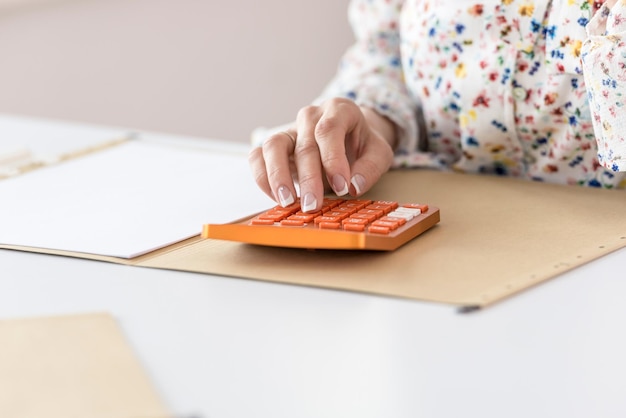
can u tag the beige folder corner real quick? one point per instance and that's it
(75, 366)
(497, 237)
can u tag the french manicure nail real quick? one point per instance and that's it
(309, 202)
(340, 186)
(284, 196)
(358, 181)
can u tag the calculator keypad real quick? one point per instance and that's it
(348, 224)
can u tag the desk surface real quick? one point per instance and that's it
(224, 347)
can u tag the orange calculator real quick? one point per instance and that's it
(346, 224)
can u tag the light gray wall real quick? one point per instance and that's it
(204, 68)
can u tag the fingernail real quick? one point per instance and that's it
(358, 181)
(284, 196)
(339, 185)
(309, 202)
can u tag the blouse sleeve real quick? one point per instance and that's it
(370, 72)
(604, 68)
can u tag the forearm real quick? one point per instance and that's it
(367, 77)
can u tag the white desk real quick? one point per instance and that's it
(222, 347)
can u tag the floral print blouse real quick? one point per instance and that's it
(531, 89)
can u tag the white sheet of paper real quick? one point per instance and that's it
(127, 200)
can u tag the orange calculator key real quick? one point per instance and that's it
(354, 227)
(347, 224)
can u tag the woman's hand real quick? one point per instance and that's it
(337, 144)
